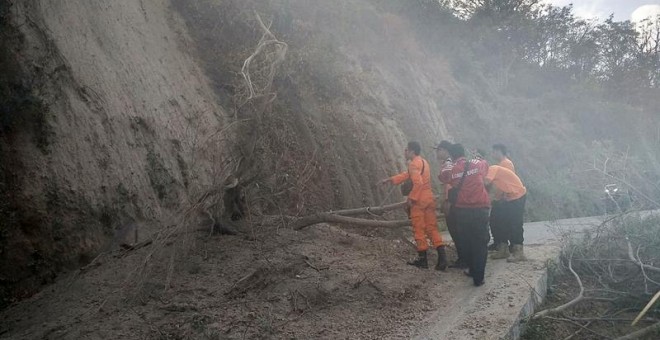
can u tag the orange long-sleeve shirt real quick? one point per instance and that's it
(507, 163)
(507, 182)
(421, 190)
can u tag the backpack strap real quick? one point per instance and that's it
(465, 174)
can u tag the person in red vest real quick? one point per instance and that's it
(443, 157)
(470, 204)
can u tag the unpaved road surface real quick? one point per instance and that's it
(272, 282)
(490, 311)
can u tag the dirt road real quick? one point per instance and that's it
(510, 292)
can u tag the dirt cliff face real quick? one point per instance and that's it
(128, 119)
(354, 88)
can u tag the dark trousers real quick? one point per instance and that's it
(473, 224)
(506, 221)
(497, 223)
(455, 234)
(515, 221)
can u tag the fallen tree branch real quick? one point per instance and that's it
(328, 217)
(646, 308)
(632, 257)
(369, 210)
(323, 217)
(642, 332)
(335, 216)
(582, 327)
(559, 309)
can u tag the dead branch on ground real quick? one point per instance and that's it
(639, 262)
(642, 332)
(341, 216)
(646, 308)
(564, 307)
(327, 217)
(331, 216)
(606, 264)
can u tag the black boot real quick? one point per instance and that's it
(442, 259)
(459, 264)
(420, 261)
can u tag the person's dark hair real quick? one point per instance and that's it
(501, 148)
(481, 153)
(414, 147)
(445, 144)
(456, 151)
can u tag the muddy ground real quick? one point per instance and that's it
(272, 282)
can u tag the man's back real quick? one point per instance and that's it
(420, 173)
(472, 193)
(506, 182)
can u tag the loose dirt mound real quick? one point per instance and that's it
(324, 282)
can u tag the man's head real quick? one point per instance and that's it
(480, 154)
(442, 150)
(499, 152)
(456, 151)
(413, 149)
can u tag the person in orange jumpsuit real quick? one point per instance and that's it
(422, 207)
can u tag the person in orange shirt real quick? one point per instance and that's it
(422, 207)
(501, 155)
(509, 212)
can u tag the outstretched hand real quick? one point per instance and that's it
(410, 202)
(386, 181)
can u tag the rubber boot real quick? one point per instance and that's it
(442, 259)
(518, 254)
(421, 260)
(458, 264)
(502, 252)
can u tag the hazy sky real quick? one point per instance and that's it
(601, 9)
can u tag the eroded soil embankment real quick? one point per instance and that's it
(103, 111)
